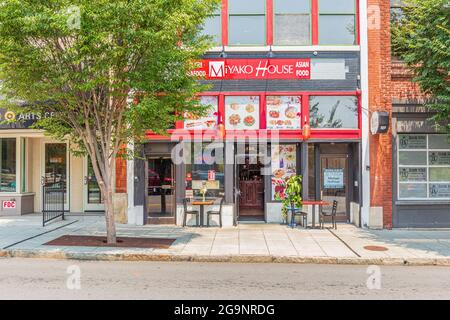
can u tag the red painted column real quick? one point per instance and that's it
(224, 22)
(269, 22)
(315, 21)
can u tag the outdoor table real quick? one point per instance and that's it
(202, 205)
(315, 203)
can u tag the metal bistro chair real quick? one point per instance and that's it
(331, 214)
(298, 212)
(213, 212)
(192, 212)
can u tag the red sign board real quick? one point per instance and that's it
(9, 204)
(257, 69)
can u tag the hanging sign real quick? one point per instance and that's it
(333, 179)
(257, 69)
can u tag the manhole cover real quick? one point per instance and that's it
(376, 248)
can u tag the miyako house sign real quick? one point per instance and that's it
(259, 69)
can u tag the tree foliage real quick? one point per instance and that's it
(422, 39)
(82, 61)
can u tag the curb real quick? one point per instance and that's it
(222, 258)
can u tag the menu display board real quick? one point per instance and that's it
(209, 121)
(439, 158)
(283, 112)
(413, 174)
(283, 167)
(413, 141)
(241, 113)
(440, 190)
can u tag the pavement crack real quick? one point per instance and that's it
(345, 243)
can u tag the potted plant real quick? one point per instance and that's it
(292, 195)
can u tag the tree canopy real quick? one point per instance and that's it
(421, 37)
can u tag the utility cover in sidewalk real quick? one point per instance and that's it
(124, 242)
(376, 248)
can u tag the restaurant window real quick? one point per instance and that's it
(337, 22)
(204, 169)
(283, 112)
(209, 120)
(423, 164)
(334, 112)
(8, 165)
(213, 27)
(292, 22)
(242, 112)
(247, 22)
(284, 166)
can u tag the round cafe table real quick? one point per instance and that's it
(315, 203)
(202, 205)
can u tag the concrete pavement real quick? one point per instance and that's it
(25, 237)
(48, 279)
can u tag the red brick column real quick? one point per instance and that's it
(380, 100)
(121, 175)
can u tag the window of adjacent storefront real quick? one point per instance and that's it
(333, 112)
(204, 169)
(246, 22)
(213, 27)
(292, 22)
(423, 164)
(8, 165)
(337, 22)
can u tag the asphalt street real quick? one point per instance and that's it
(69, 279)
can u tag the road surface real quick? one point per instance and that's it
(68, 279)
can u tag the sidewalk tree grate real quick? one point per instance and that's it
(376, 248)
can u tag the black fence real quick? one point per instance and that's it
(53, 198)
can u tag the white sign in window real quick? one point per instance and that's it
(242, 112)
(333, 178)
(283, 112)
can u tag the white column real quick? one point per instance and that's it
(365, 156)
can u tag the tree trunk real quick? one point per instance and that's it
(107, 190)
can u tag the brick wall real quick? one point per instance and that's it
(121, 175)
(380, 100)
(403, 90)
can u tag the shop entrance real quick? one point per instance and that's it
(250, 184)
(160, 191)
(334, 182)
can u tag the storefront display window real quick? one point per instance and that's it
(8, 165)
(423, 163)
(208, 121)
(334, 112)
(204, 169)
(283, 167)
(283, 112)
(241, 112)
(292, 22)
(247, 22)
(337, 22)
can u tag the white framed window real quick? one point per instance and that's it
(423, 167)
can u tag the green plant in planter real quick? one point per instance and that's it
(292, 194)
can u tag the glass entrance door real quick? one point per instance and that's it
(56, 168)
(93, 200)
(161, 191)
(334, 182)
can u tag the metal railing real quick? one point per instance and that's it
(53, 198)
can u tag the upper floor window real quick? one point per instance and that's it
(292, 22)
(213, 27)
(337, 22)
(246, 22)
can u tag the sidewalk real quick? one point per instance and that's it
(25, 237)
